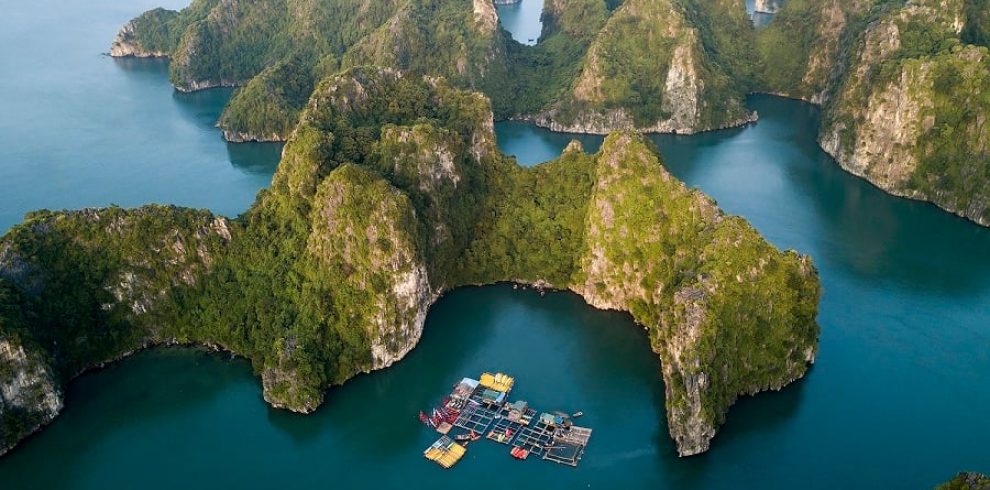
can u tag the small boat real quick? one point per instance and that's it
(519, 453)
(577, 414)
(473, 436)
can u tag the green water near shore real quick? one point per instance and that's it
(897, 399)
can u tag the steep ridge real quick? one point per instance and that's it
(910, 113)
(81, 288)
(801, 49)
(648, 70)
(688, 78)
(904, 91)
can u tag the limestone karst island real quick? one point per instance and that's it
(517, 243)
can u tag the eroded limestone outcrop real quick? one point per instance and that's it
(910, 111)
(677, 268)
(81, 288)
(30, 396)
(659, 83)
(125, 45)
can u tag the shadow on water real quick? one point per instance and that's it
(749, 420)
(415, 383)
(300, 428)
(255, 158)
(144, 68)
(204, 106)
(762, 413)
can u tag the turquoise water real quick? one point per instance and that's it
(78, 128)
(531, 146)
(522, 20)
(192, 419)
(898, 398)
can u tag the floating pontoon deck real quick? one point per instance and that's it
(445, 452)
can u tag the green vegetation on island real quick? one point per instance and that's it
(391, 191)
(908, 116)
(656, 66)
(903, 86)
(268, 106)
(704, 51)
(659, 66)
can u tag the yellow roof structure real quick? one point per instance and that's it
(498, 382)
(445, 452)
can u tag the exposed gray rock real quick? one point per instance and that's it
(28, 389)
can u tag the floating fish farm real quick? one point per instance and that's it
(480, 409)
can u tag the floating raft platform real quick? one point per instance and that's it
(568, 445)
(497, 382)
(445, 452)
(480, 408)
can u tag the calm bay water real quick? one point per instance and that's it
(897, 399)
(78, 128)
(522, 20)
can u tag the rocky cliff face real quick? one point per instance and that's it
(658, 83)
(78, 289)
(364, 246)
(126, 44)
(485, 16)
(30, 396)
(909, 115)
(364, 225)
(902, 88)
(381, 222)
(801, 49)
